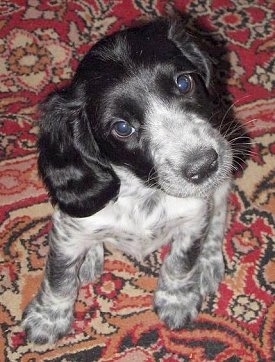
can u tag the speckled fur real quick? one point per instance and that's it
(143, 199)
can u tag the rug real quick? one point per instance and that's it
(41, 44)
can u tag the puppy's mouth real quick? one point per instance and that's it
(197, 178)
(187, 189)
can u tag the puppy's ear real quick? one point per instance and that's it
(80, 181)
(190, 47)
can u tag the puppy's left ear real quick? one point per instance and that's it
(191, 48)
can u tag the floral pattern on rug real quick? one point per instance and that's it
(41, 44)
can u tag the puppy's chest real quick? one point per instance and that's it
(139, 215)
(154, 214)
(141, 221)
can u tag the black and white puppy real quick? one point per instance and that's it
(132, 153)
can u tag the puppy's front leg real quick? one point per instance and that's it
(49, 315)
(178, 298)
(194, 266)
(211, 264)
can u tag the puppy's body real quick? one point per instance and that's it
(142, 219)
(133, 154)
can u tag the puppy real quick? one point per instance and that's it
(134, 153)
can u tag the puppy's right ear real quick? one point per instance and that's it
(80, 181)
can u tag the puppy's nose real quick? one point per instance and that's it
(200, 165)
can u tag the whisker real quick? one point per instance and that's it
(246, 123)
(231, 132)
(237, 151)
(250, 143)
(230, 108)
(235, 144)
(240, 166)
(238, 126)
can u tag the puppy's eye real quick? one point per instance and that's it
(122, 129)
(184, 83)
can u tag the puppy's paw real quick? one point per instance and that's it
(177, 308)
(46, 323)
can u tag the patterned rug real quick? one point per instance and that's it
(41, 43)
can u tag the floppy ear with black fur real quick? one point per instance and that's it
(78, 179)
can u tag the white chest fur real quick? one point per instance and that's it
(142, 219)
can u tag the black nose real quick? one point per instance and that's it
(200, 165)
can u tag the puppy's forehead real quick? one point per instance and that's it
(139, 44)
(125, 52)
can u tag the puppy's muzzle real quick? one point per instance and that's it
(200, 165)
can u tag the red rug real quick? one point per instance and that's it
(41, 43)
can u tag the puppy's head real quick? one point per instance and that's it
(140, 99)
